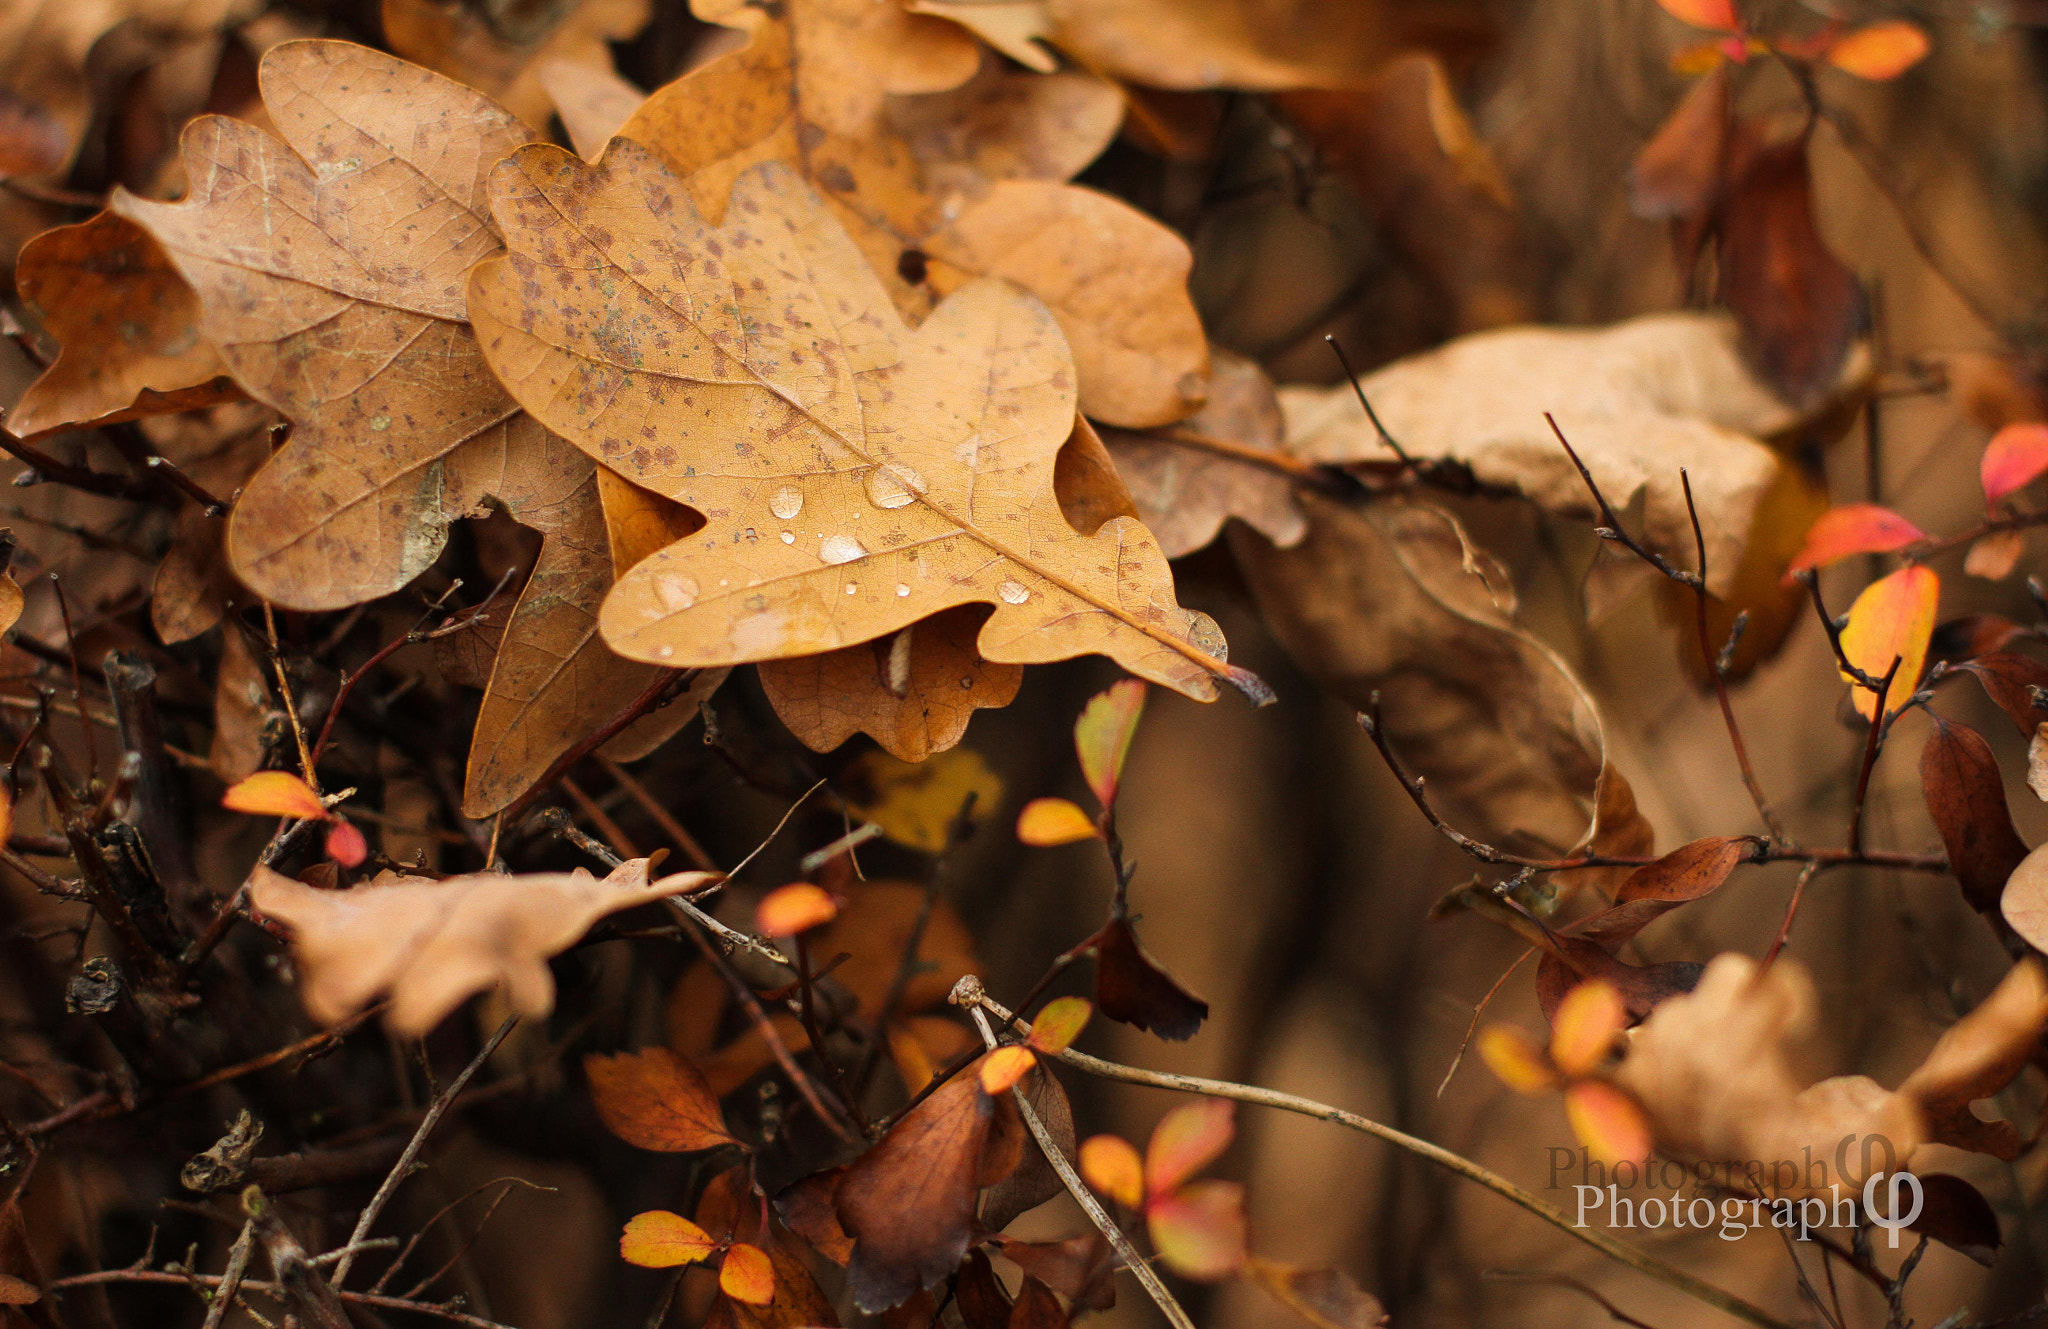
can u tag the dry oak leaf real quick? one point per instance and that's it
(1715, 1070)
(857, 476)
(1638, 400)
(1257, 45)
(127, 326)
(330, 275)
(913, 692)
(800, 93)
(503, 54)
(1185, 490)
(430, 944)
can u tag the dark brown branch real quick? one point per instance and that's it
(657, 693)
(1871, 746)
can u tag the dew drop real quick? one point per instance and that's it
(676, 592)
(902, 588)
(788, 501)
(967, 682)
(840, 549)
(789, 537)
(893, 486)
(1012, 593)
(666, 651)
(853, 588)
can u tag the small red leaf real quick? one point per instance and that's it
(2014, 459)
(1853, 528)
(1102, 736)
(1718, 15)
(1200, 1229)
(797, 907)
(345, 844)
(1880, 51)
(1608, 1122)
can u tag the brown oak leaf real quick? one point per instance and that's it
(857, 476)
(503, 55)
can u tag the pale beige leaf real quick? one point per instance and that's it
(859, 476)
(1017, 28)
(330, 275)
(1638, 400)
(1251, 44)
(430, 944)
(2037, 762)
(1006, 125)
(592, 100)
(1994, 556)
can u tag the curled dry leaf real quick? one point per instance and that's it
(502, 56)
(809, 90)
(1034, 1180)
(2010, 680)
(1392, 598)
(1979, 1055)
(127, 327)
(912, 691)
(909, 1201)
(1638, 400)
(1677, 174)
(1965, 796)
(1131, 989)
(874, 508)
(654, 1099)
(2037, 762)
(1082, 1269)
(1184, 490)
(432, 943)
(1956, 1214)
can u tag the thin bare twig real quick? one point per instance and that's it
(372, 1300)
(1871, 747)
(1567, 1281)
(403, 1166)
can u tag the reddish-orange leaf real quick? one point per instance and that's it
(274, 794)
(345, 844)
(1111, 1166)
(656, 1100)
(1060, 1023)
(1188, 1139)
(1718, 15)
(797, 907)
(1199, 1229)
(1515, 1058)
(2013, 459)
(1608, 1122)
(1853, 528)
(1587, 1020)
(1049, 821)
(659, 1239)
(1893, 618)
(1880, 51)
(1002, 1068)
(747, 1275)
(1102, 736)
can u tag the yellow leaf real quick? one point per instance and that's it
(1060, 1023)
(917, 805)
(1880, 51)
(659, 1239)
(1199, 1229)
(1585, 1026)
(1102, 736)
(1052, 821)
(1509, 1053)
(1892, 619)
(1111, 1166)
(1005, 1066)
(747, 1275)
(275, 794)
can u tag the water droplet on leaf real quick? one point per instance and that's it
(788, 501)
(840, 549)
(1013, 593)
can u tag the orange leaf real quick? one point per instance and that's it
(747, 1275)
(797, 907)
(1853, 528)
(1111, 1166)
(1881, 51)
(1004, 1067)
(1608, 1122)
(275, 794)
(659, 1239)
(1049, 821)
(1199, 1229)
(1587, 1020)
(2016, 455)
(1060, 1023)
(1188, 1139)
(656, 1100)
(1102, 736)
(1718, 15)
(345, 844)
(1893, 618)
(1515, 1058)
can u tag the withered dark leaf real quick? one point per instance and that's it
(1033, 1181)
(1965, 797)
(1081, 1268)
(2013, 682)
(809, 1209)
(1957, 1215)
(1131, 989)
(982, 1301)
(1037, 1307)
